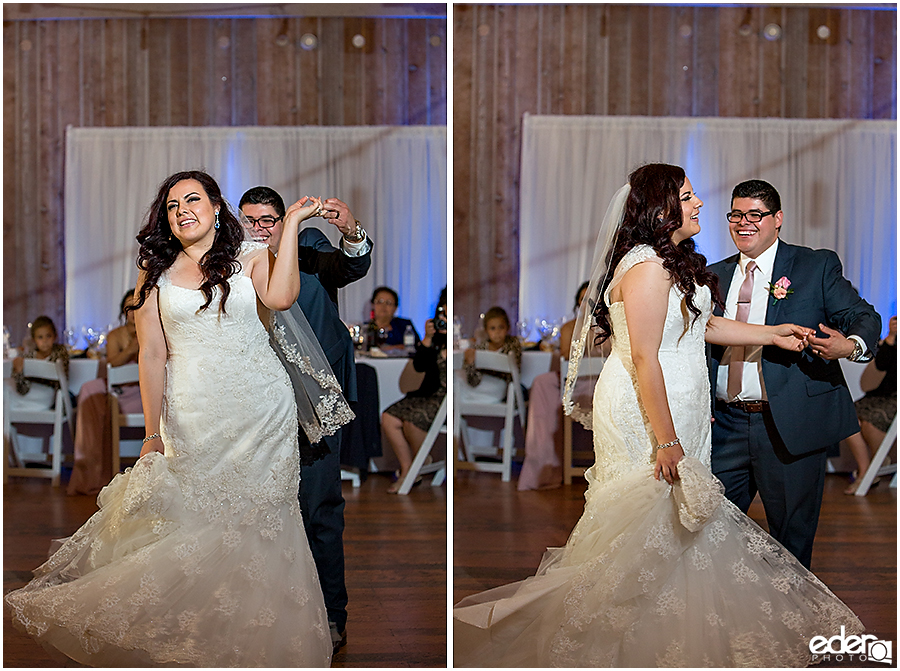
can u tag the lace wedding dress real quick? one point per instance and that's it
(654, 575)
(198, 557)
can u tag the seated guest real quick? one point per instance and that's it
(542, 468)
(388, 329)
(476, 385)
(35, 393)
(877, 409)
(406, 422)
(93, 437)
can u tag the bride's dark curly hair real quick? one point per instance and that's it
(652, 213)
(159, 247)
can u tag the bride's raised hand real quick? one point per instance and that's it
(666, 461)
(791, 337)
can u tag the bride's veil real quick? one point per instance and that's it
(576, 403)
(321, 407)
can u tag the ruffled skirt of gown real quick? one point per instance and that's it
(655, 575)
(146, 582)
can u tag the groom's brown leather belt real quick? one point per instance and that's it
(748, 406)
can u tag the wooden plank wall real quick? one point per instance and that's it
(185, 72)
(633, 60)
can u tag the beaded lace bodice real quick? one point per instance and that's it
(220, 368)
(623, 436)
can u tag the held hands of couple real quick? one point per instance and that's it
(334, 211)
(834, 346)
(796, 338)
(303, 209)
(792, 337)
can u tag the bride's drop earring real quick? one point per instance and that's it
(217, 219)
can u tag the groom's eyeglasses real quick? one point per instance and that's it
(753, 216)
(263, 222)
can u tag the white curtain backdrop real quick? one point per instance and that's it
(837, 181)
(393, 178)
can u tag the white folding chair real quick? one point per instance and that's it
(352, 476)
(59, 414)
(439, 468)
(588, 367)
(534, 364)
(875, 468)
(81, 371)
(118, 375)
(507, 409)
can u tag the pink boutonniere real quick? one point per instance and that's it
(781, 289)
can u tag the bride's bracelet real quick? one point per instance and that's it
(669, 444)
(151, 437)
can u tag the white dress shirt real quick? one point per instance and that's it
(356, 248)
(752, 386)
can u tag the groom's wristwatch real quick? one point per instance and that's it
(357, 235)
(859, 354)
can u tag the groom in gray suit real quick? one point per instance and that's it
(776, 412)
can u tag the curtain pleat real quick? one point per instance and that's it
(393, 178)
(837, 180)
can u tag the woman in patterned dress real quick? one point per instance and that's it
(406, 422)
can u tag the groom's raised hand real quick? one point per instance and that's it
(337, 213)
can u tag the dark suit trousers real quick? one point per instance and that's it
(322, 505)
(749, 456)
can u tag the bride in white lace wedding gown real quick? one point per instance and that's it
(654, 574)
(197, 557)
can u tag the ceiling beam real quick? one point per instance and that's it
(138, 10)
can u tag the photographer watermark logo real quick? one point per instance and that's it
(840, 648)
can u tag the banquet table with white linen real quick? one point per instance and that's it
(388, 370)
(357, 448)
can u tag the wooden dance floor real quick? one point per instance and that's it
(396, 563)
(500, 535)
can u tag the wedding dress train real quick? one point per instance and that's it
(654, 575)
(197, 557)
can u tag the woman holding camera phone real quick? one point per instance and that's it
(406, 422)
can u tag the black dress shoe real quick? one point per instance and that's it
(338, 638)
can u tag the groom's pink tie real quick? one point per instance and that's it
(736, 366)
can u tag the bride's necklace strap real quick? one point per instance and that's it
(184, 251)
